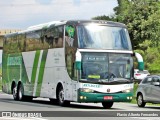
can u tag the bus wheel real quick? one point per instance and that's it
(20, 92)
(14, 92)
(61, 100)
(107, 105)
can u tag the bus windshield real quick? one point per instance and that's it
(95, 36)
(106, 67)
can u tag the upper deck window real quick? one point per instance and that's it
(103, 37)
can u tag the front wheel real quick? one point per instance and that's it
(140, 101)
(61, 100)
(107, 105)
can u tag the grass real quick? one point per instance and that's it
(0, 84)
(134, 93)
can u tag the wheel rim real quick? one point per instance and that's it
(140, 100)
(20, 93)
(14, 92)
(61, 96)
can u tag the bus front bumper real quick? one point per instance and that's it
(105, 97)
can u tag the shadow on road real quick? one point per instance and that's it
(48, 104)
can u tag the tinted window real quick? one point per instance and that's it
(103, 37)
(147, 80)
(156, 79)
(33, 40)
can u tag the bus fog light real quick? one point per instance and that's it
(128, 98)
(85, 97)
(81, 97)
(131, 98)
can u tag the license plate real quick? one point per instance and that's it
(108, 97)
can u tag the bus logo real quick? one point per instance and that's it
(108, 90)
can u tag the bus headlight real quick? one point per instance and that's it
(127, 90)
(86, 90)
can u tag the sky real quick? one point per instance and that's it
(20, 14)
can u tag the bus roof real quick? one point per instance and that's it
(42, 26)
(104, 22)
(76, 22)
(11, 34)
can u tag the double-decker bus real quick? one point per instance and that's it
(69, 61)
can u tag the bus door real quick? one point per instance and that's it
(70, 53)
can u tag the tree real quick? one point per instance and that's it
(139, 16)
(142, 18)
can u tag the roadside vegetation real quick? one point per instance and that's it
(0, 84)
(0, 79)
(142, 18)
(134, 93)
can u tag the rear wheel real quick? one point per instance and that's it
(14, 92)
(140, 101)
(20, 92)
(107, 105)
(21, 96)
(61, 100)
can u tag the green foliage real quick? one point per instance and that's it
(0, 84)
(142, 18)
(139, 16)
(151, 56)
(104, 17)
(134, 93)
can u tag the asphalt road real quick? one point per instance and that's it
(44, 110)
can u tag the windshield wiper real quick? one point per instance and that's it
(119, 80)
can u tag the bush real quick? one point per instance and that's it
(0, 84)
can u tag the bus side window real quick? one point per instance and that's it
(59, 37)
(54, 37)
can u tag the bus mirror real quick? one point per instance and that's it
(78, 65)
(140, 61)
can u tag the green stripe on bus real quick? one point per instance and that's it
(41, 72)
(35, 65)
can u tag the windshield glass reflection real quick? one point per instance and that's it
(105, 67)
(103, 37)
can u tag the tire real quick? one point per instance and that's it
(60, 98)
(107, 105)
(14, 92)
(140, 101)
(21, 96)
(20, 92)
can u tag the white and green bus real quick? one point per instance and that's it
(69, 61)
